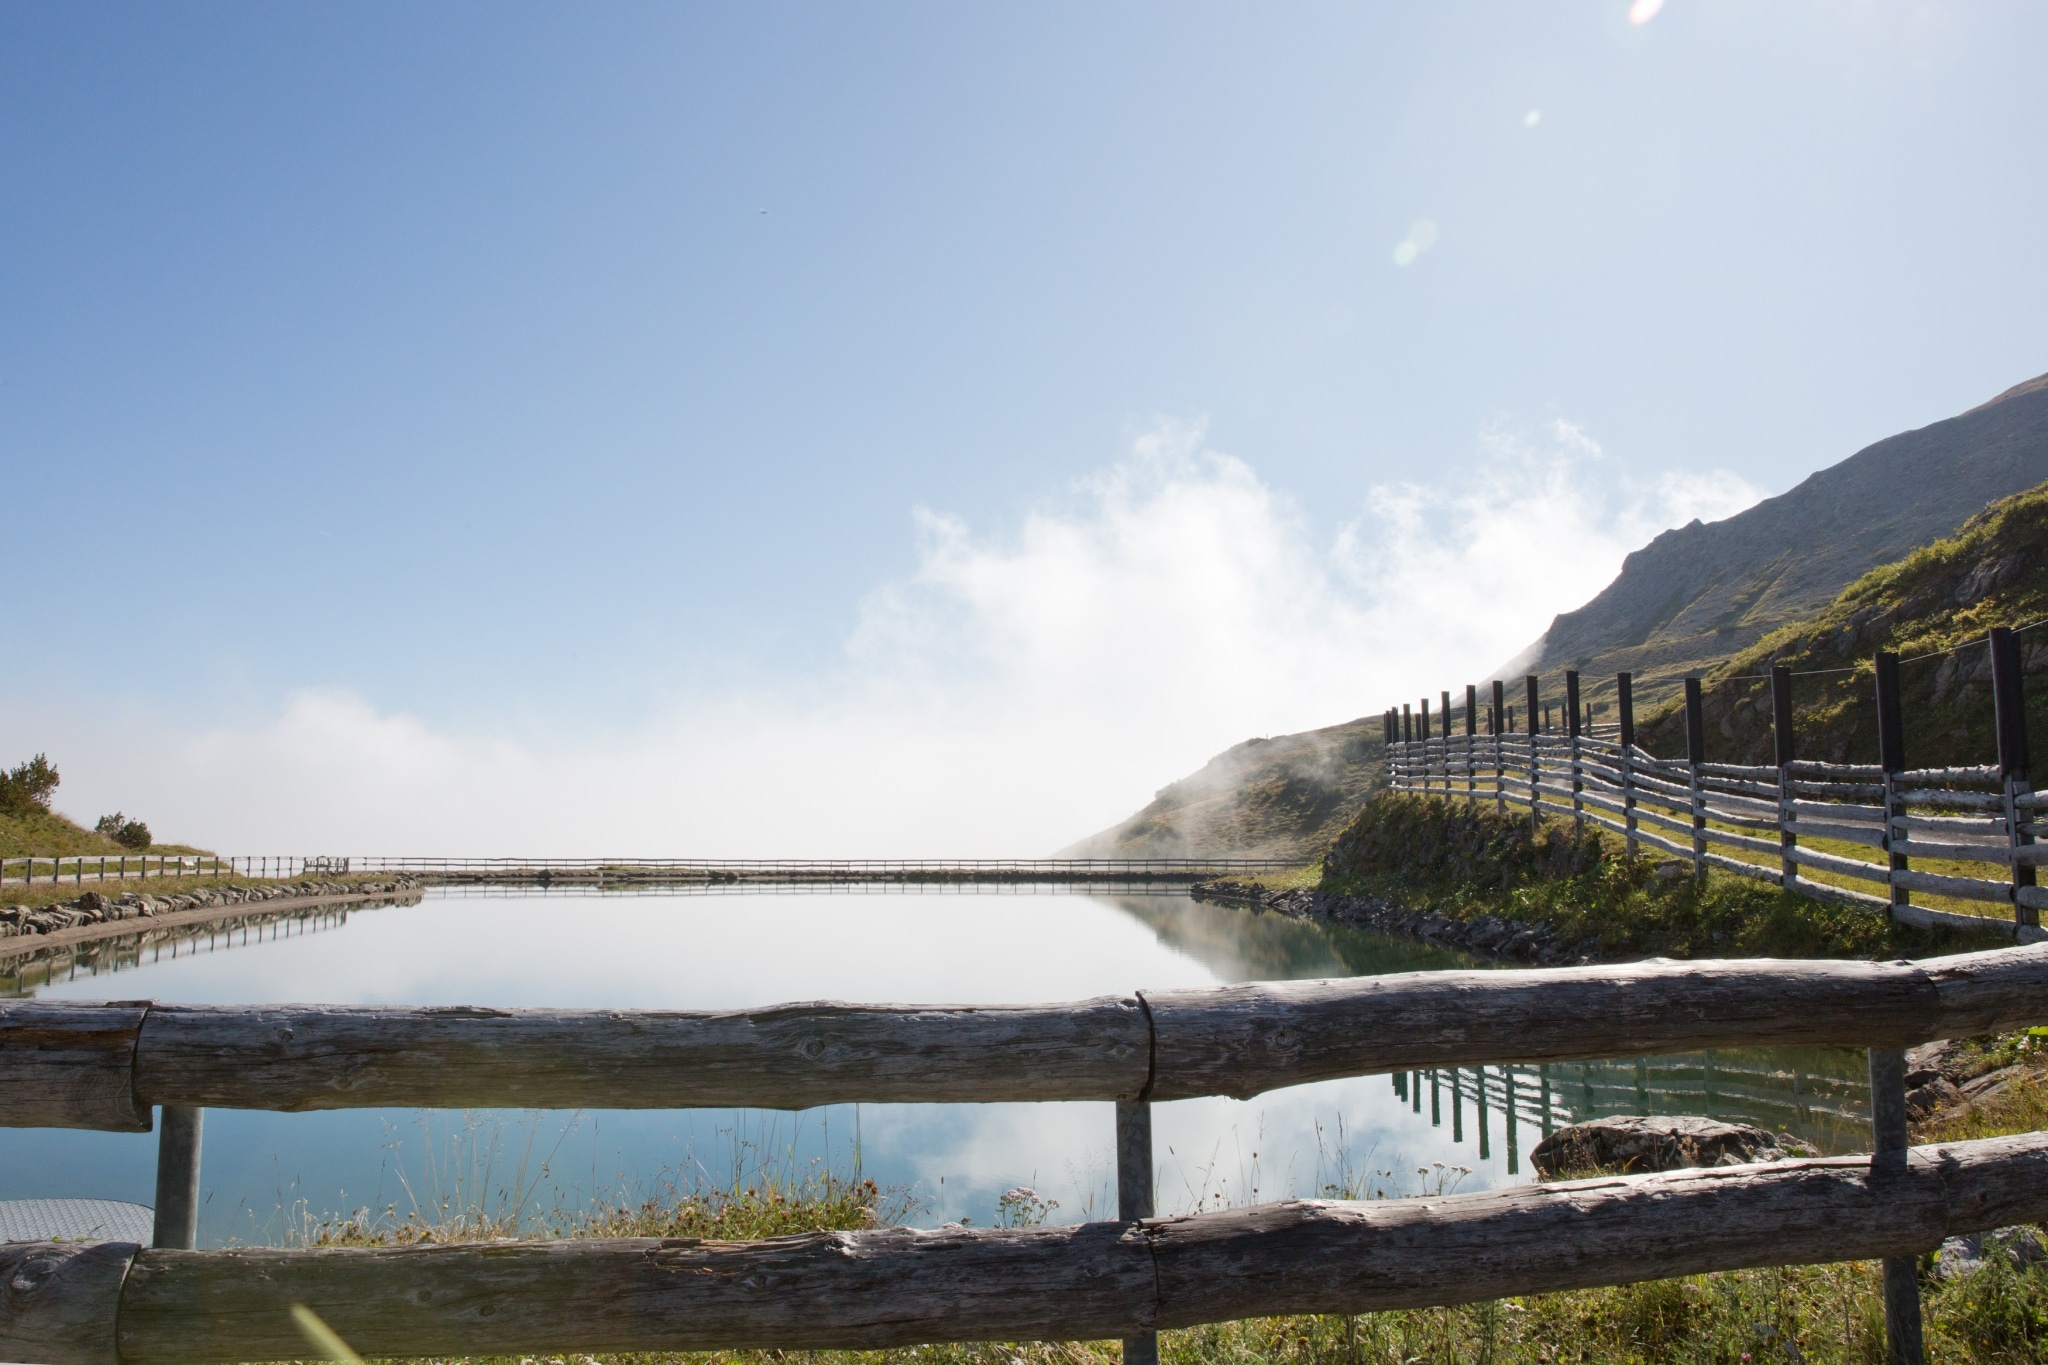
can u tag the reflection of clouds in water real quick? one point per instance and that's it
(712, 952)
(1207, 1152)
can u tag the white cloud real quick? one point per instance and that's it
(1017, 691)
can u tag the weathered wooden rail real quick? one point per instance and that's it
(101, 1303)
(1759, 821)
(105, 1066)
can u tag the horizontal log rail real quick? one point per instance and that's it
(111, 1303)
(65, 1064)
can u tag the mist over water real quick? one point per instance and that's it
(727, 950)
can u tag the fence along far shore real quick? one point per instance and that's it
(1690, 808)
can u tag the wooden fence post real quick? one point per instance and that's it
(177, 1177)
(1571, 706)
(1888, 1153)
(1891, 756)
(1625, 706)
(1471, 744)
(1781, 735)
(1407, 724)
(1535, 761)
(1134, 1198)
(1696, 754)
(1422, 735)
(2008, 705)
(1500, 767)
(1447, 742)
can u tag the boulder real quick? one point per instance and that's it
(1663, 1143)
(1960, 1256)
(1936, 1092)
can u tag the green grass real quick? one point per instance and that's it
(1821, 1314)
(1465, 860)
(1948, 594)
(44, 833)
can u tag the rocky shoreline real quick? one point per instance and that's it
(95, 907)
(1534, 944)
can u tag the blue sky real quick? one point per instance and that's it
(412, 413)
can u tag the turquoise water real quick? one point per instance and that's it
(264, 1174)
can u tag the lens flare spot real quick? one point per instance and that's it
(1643, 11)
(1421, 237)
(1532, 118)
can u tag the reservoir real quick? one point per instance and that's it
(268, 1176)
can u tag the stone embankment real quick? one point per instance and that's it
(95, 907)
(1535, 944)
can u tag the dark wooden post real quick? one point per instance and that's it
(1781, 733)
(1447, 741)
(1407, 724)
(2009, 706)
(1500, 767)
(1625, 705)
(1535, 760)
(1134, 1198)
(1888, 1157)
(1696, 754)
(1571, 721)
(177, 1178)
(1471, 744)
(1422, 750)
(1891, 756)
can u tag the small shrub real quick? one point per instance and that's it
(123, 831)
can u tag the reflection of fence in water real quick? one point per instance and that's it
(611, 890)
(1823, 1105)
(37, 968)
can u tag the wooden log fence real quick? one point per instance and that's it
(1764, 821)
(103, 867)
(105, 1066)
(99, 1303)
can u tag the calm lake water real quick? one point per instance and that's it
(263, 1173)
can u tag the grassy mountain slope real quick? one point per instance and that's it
(1698, 594)
(45, 833)
(1284, 797)
(1991, 572)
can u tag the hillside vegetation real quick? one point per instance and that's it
(1941, 597)
(1785, 579)
(28, 825)
(1465, 859)
(1698, 594)
(1284, 797)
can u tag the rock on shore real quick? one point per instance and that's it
(1633, 1144)
(95, 907)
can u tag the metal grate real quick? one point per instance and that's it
(76, 1220)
